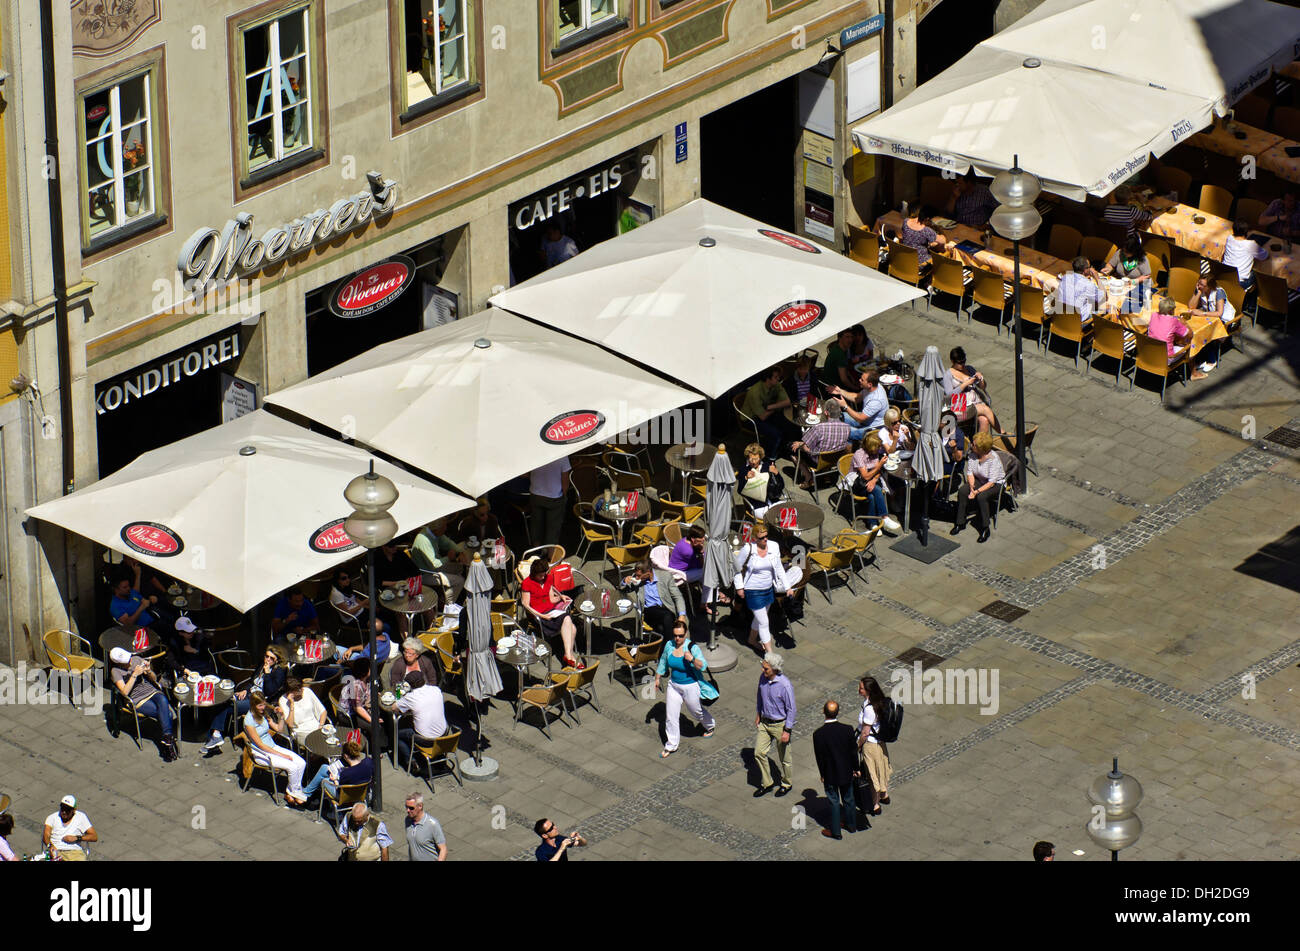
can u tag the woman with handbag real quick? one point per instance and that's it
(959, 388)
(760, 577)
(684, 664)
(867, 477)
(758, 481)
(875, 755)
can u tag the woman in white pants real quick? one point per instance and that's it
(760, 577)
(260, 727)
(683, 663)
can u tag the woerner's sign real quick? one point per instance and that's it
(546, 205)
(171, 369)
(212, 257)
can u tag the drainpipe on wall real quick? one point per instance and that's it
(886, 196)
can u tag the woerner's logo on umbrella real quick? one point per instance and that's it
(330, 538)
(150, 538)
(366, 291)
(795, 317)
(791, 240)
(570, 427)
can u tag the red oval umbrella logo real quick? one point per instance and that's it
(795, 317)
(150, 538)
(330, 538)
(570, 427)
(377, 286)
(791, 240)
(97, 112)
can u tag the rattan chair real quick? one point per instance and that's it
(635, 657)
(441, 750)
(579, 682)
(542, 698)
(248, 767)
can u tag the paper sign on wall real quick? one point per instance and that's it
(864, 87)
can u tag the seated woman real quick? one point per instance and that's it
(550, 608)
(918, 233)
(758, 481)
(894, 435)
(344, 598)
(135, 680)
(959, 382)
(260, 726)
(862, 349)
(354, 769)
(803, 382)
(414, 656)
(1131, 262)
(269, 680)
(868, 471)
(302, 710)
(355, 695)
(984, 473)
(1211, 300)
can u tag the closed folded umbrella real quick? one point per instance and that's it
(927, 461)
(482, 679)
(717, 551)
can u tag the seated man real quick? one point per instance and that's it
(837, 371)
(434, 550)
(971, 202)
(354, 698)
(296, 615)
(871, 402)
(383, 646)
(1241, 251)
(763, 403)
(190, 647)
(1120, 210)
(1076, 293)
(661, 601)
(1282, 216)
(803, 382)
(129, 609)
(480, 523)
(833, 435)
(428, 714)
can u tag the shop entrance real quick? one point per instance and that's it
(748, 151)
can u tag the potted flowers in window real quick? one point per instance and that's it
(132, 158)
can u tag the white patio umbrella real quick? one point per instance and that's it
(1217, 50)
(706, 295)
(484, 399)
(240, 511)
(1079, 130)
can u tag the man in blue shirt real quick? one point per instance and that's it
(653, 587)
(774, 716)
(129, 608)
(874, 401)
(294, 614)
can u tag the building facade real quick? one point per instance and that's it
(297, 160)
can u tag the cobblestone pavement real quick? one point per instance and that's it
(1141, 640)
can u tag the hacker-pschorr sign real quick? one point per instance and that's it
(212, 257)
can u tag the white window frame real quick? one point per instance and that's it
(114, 139)
(275, 67)
(587, 22)
(463, 38)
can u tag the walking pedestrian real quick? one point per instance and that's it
(555, 844)
(836, 751)
(683, 663)
(760, 577)
(774, 717)
(364, 836)
(424, 839)
(875, 755)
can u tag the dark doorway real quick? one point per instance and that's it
(747, 152)
(949, 32)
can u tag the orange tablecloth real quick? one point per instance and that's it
(1223, 142)
(1204, 329)
(1291, 70)
(1036, 268)
(1209, 239)
(1275, 160)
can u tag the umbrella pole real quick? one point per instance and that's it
(377, 784)
(924, 531)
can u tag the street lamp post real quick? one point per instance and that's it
(370, 526)
(1114, 824)
(1017, 218)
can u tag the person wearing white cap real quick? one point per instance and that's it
(66, 829)
(191, 647)
(137, 682)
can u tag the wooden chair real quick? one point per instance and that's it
(542, 698)
(989, 290)
(1107, 341)
(673, 533)
(1252, 110)
(1273, 295)
(1152, 356)
(1069, 326)
(1033, 306)
(1182, 284)
(865, 248)
(948, 277)
(338, 713)
(1064, 242)
(593, 532)
(623, 558)
(441, 750)
(1170, 179)
(347, 796)
(1097, 250)
(835, 559)
(1215, 200)
(1250, 209)
(1286, 122)
(634, 657)
(579, 682)
(905, 265)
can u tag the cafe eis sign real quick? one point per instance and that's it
(210, 257)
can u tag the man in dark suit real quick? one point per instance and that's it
(836, 749)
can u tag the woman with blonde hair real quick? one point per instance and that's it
(758, 481)
(760, 578)
(893, 434)
(984, 473)
(868, 477)
(260, 726)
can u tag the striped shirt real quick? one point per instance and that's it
(988, 469)
(1127, 216)
(974, 206)
(827, 437)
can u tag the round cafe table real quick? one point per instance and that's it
(620, 517)
(519, 658)
(690, 463)
(298, 659)
(120, 637)
(184, 693)
(807, 517)
(426, 600)
(592, 593)
(800, 416)
(318, 743)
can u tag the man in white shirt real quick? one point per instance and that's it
(66, 829)
(1076, 293)
(1242, 253)
(548, 485)
(425, 705)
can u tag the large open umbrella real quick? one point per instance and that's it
(1060, 118)
(706, 295)
(482, 400)
(242, 510)
(482, 680)
(717, 552)
(927, 460)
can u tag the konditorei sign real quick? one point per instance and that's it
(210, 257)
(172, 368)
(369, 289)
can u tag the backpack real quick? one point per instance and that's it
(891, 722)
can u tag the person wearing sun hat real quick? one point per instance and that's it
(137, 682)
(67, 828)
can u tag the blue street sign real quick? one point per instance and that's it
(681, 142)
(860, 31)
